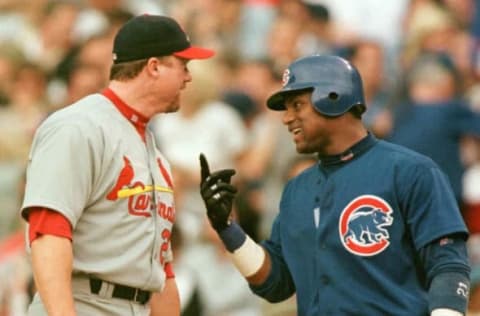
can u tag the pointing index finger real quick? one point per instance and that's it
(204, 169)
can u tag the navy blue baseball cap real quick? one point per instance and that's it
(148, 35)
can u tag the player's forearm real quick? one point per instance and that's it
(52, 267)
(218, 193)
(250, 258)
(261, 275)
(167, 302)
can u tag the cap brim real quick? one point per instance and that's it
(194, 52)
(276, 101)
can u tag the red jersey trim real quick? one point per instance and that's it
(138, 120)
(44, 221)
(168, 268)
(165, 174)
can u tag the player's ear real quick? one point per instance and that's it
(152, 66)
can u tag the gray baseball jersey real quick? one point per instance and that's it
(89, 162)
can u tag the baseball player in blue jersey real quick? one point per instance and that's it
(371, 229)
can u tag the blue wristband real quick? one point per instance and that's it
(233, 237)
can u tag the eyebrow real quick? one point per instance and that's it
(294, 98)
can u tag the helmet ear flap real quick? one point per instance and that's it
(326, 103)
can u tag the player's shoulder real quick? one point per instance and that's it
(399, 155)
(307, 175)
(83, 114)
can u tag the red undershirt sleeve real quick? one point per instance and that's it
(44, 221)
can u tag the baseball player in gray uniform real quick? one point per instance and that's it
(99, 194)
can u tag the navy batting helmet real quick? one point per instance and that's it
(336, 84)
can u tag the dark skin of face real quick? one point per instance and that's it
(316, 133)
(311, 130)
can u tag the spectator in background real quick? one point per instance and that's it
(84, 79)
(26, 109)
(471, 198)
(18, 122)
(9, 59)
(94, 51)
(52, 37)
(98, 16)
(474, 254)
(243, 103)
(318, 37)
(258, 16)
(214, 23)
(435, 117)
(432, 26)
(429, 27)
(369, 58)
(372, 19)
(97, 52)
(471, 177)
(283, 41)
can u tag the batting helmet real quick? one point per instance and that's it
(336, 84)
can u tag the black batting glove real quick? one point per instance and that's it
(218, 194)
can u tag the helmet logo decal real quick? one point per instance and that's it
(363, 225)
(285, 77)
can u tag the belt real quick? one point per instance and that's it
(121, 291)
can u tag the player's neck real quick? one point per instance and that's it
(133, 96)
(345, 139)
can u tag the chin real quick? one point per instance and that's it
(304, 149)
(173, 108)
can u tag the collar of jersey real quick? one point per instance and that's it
(138, 120)
(357, 149)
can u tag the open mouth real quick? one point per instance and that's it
(296, 131)
(297, 134)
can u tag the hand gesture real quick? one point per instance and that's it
(217, 193)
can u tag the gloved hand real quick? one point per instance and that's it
(218, 194)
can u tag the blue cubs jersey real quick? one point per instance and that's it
(349, 229)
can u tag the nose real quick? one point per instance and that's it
(288, 116)
(188, 76)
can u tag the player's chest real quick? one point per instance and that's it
(139, 182)
(362, 218)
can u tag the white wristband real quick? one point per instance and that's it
(248, 258)
(445, 312)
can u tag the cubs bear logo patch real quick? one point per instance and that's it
(363, 225)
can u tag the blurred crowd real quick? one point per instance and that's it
(420, 64)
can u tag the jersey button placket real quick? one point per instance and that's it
(324, 201)
(151, 156)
